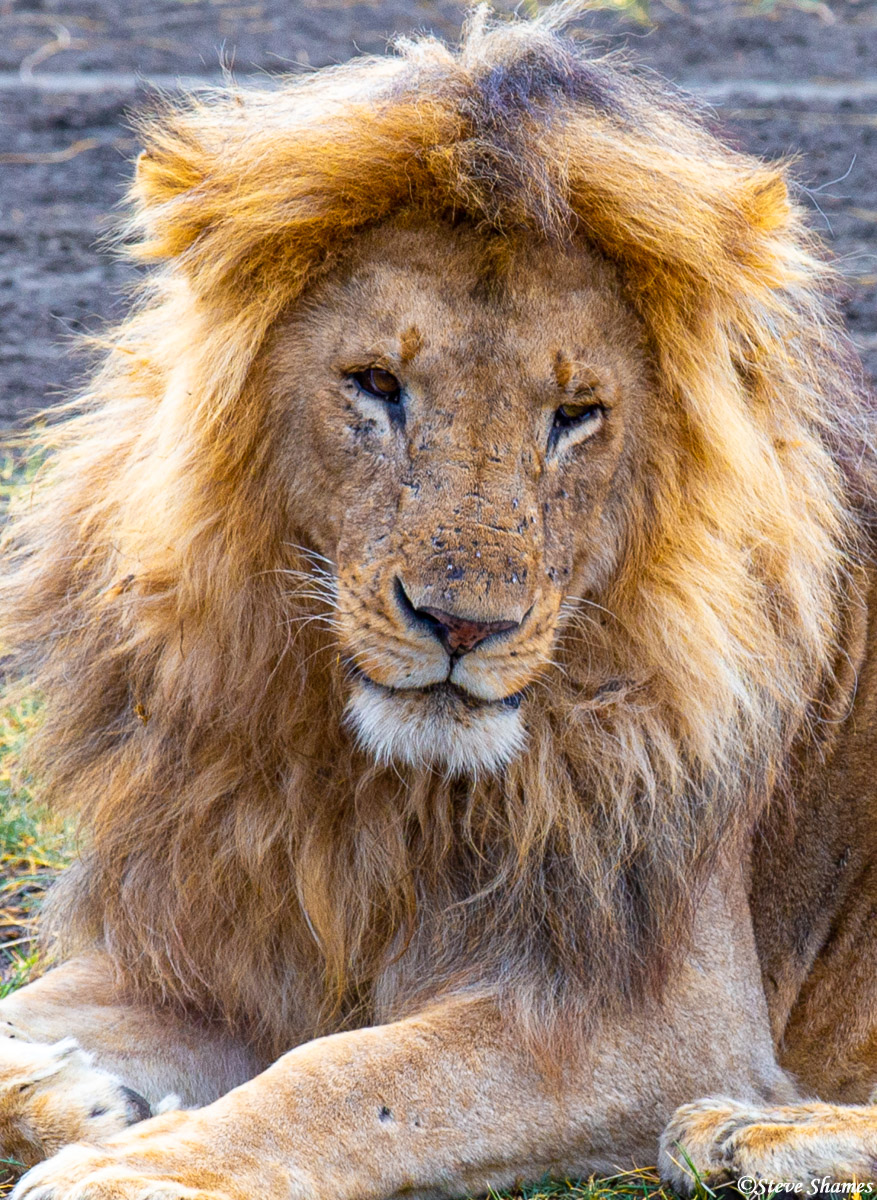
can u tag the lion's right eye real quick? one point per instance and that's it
(383, 385)
(577, 414)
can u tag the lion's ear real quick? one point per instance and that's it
(167, 195)
(153, 183)
(146, 178)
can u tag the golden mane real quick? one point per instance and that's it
(240, 854)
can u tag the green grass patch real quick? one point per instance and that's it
(628, 1185)
(34, 846)
(18, 469)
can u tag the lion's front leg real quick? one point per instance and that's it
(451, 1101)
(445, 1102)
(789, 1146)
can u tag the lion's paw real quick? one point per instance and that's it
(84, 1173)
(52, 1095)
(722, 1141)
(91, 1173)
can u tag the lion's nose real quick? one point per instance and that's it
(457, 634)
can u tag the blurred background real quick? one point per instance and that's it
(783, 78)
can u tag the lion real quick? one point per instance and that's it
(452, 602)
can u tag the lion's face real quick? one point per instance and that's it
(468, 418)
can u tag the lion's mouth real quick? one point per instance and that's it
(445, 691)
(439, 726)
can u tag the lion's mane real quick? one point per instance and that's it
(240, 855)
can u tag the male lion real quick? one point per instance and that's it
(452, 608)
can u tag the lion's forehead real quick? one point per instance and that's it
(431, 296)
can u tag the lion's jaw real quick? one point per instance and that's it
(471, 498)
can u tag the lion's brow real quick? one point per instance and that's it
(410, 344)
(563, 370)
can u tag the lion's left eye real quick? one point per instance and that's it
(577, 413)
(379, 383)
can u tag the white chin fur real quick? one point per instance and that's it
(434, 729)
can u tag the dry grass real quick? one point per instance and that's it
(34, 846)
(630, 1185)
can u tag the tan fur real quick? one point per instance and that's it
(292, 825)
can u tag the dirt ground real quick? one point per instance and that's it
(786, 81)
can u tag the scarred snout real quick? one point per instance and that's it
(440, 665)
(444, 632)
